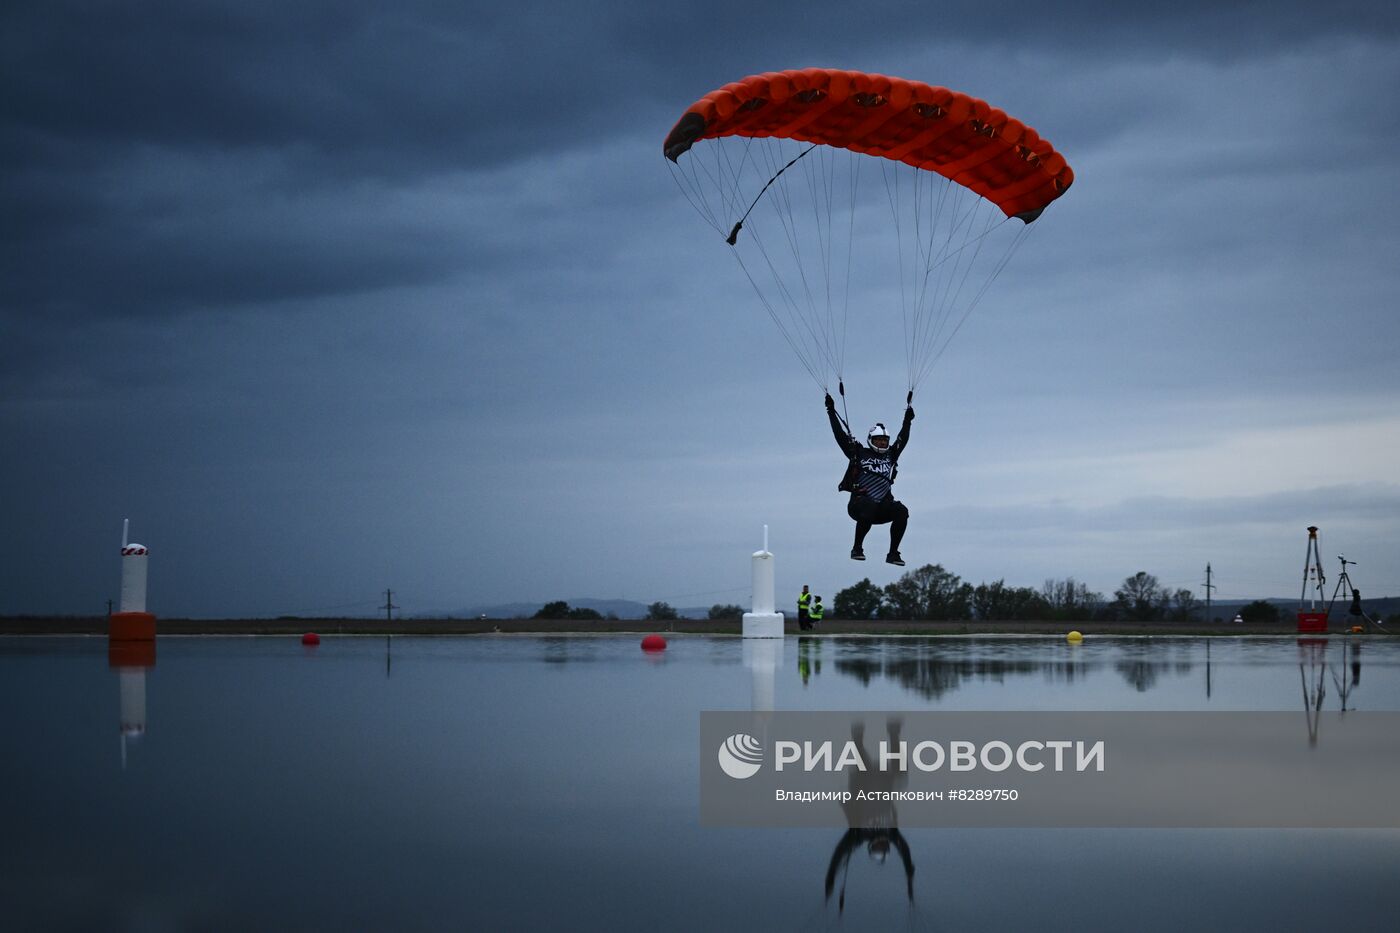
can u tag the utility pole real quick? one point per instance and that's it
(389, 606)
(109, 608)
(1209, 586)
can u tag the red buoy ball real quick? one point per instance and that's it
(311, 638)
(653, 643)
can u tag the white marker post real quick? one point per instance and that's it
(763, 621)
(131, 621)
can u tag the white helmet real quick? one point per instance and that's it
(878, 431)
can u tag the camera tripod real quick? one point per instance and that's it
(1344, 584)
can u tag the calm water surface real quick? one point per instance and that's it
(518, 783)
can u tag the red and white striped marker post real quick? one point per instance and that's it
(132, 622)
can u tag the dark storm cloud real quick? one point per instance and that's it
(403, 87)
(177, 156)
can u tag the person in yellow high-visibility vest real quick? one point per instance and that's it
(803, 599)
(815, 612)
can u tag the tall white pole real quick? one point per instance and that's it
(763, 621)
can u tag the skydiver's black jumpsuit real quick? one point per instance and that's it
(870, 479)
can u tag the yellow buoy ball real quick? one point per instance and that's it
(1074, 638)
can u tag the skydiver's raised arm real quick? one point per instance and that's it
(843, 439)
(898, 446)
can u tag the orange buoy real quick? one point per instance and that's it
(653, 643)
(311, 638)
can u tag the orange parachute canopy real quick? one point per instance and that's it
(964, 139)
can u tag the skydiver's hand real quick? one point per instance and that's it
(909, 413)
(830, 402)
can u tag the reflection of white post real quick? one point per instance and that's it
(132, 684)
(761, 657)
(763, 621)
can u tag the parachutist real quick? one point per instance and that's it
(869, 479)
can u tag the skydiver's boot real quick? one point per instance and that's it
(858, 550)
(897, 526)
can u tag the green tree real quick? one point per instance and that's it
(1070, 600)
(929, 592)
(586, 614)
(661, 612)
(1185, 605)
(729, 611)
(999, 602)
(1140, 597)
(860, 601)
(555, 610)
(1260, 612)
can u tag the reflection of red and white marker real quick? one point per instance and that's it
(132, 622)
(131, 659)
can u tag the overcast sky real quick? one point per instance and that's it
(333, 297)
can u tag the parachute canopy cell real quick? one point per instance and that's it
(962, 138)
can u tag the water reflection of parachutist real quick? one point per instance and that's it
(873, 823)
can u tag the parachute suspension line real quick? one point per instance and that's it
(938, 313)
(685, 184)
(845, 415)
(722, 178)
(892, 196)
(814, 176)
(854, 163)
(802, 329)
(732, 191)
(951, 280)
(808, 346)
(934, 307)
(783, 206)
(821, 179)
(1021, 236)
(734, 234)
(782, 329)
(713, 183)
(936, 209)
(837, 336)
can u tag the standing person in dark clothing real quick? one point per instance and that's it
(869, 479)
(803, 599)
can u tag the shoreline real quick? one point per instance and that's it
(27, 625)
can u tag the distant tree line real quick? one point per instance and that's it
(656, 612)
(934, 593)
(559, 609)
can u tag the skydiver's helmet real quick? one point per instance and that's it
(878, 437)
(877, 849)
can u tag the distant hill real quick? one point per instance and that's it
(621, 608)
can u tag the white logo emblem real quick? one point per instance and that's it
(741, 756)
